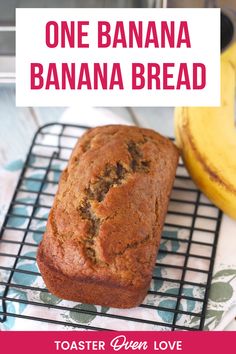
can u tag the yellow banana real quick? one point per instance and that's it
(206, 137)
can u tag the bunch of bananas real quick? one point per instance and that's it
(206, 137)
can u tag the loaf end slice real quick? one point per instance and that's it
(87, 290)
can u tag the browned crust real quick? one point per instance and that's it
(214, 176)
(105, 225)
(89, 291)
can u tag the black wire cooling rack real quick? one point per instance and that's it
(179, 291)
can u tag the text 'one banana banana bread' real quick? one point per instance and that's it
(104, 228)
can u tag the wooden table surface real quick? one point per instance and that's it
(19, 124)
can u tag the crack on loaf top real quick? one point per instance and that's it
(137, 163)
(111, 176)
(86, 213)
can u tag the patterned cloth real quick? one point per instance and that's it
(222, 302)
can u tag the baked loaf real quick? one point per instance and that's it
(105, 224)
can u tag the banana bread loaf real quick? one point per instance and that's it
(105, 224)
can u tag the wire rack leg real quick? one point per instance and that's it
(4, 307)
